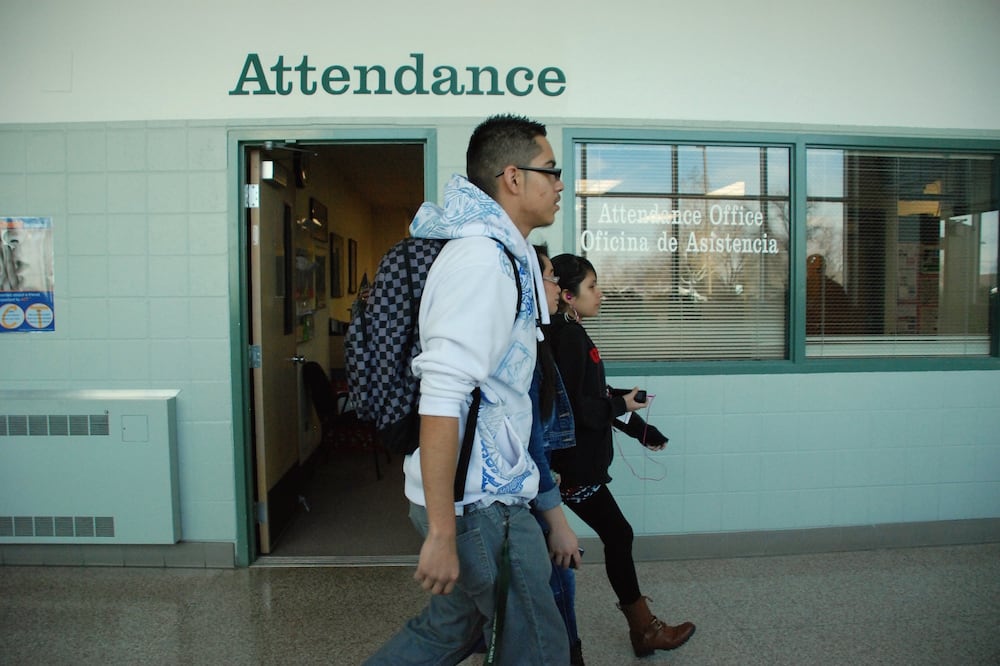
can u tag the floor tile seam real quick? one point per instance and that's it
(867, 626)
(986, 614)
(863, 583)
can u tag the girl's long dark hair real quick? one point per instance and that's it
(547, 390)
(571, 270)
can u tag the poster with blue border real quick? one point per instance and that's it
(27, 277)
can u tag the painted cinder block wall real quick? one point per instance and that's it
(126, 144)
(143, 295)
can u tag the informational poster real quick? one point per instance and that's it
(27, 278)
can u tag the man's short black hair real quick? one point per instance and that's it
(499, 141)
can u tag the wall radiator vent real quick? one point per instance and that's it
(37, 425)
(58, 526)
(88, 467)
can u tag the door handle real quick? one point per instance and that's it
(298, 359)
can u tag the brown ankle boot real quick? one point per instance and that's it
(648, 633)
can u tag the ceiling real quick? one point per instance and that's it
(388, 175)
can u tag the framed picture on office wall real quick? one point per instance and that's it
(336, 264)
(320, 269)
(352, 266)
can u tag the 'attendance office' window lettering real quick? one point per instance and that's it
(691, 246)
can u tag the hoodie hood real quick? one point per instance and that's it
(467, 212)
(470, 212)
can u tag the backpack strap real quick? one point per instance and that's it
(412, 302)
(465, 453)
(517, 278)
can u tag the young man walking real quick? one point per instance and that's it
(470, 337)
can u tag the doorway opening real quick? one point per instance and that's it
(326, 213)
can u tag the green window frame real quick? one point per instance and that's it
(657, 321)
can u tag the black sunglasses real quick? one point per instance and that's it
(552, 171)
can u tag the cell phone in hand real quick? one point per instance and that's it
(640, 395)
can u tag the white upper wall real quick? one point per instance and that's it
(899, 63)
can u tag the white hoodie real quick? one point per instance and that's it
(469, 338)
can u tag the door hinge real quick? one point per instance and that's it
(254, 356)
(251, 196)
(260, 508)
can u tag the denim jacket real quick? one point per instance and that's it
(556, 431)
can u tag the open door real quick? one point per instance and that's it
(321, 215)
(274, 378)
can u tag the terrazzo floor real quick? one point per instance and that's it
(908, 606)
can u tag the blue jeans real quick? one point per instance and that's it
(533, 631)
(563, 584)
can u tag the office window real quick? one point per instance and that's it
(691, 245)
(901, 252)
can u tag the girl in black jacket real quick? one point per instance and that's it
(583, 469)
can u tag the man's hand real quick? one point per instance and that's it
(437, 569)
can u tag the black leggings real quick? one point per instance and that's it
(600, 511)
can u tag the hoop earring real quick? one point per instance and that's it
(574, 317)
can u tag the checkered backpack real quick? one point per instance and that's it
(383, 339)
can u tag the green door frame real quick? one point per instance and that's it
(238, 141)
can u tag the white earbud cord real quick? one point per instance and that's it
(646, 451)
